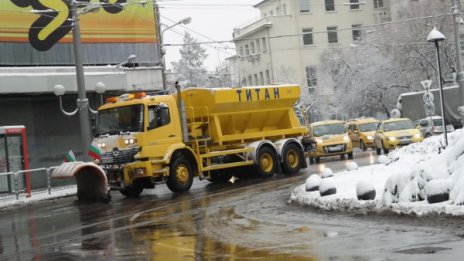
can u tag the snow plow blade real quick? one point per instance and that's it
(92, 184)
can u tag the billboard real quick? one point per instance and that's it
(43, 24)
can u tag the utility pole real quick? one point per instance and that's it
(456, 11)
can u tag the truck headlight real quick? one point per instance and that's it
(370, 137)
(391, 138)
(102, 145)
(130, 141)
(319, 140)
(140, 171)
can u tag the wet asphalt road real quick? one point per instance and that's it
(247, 220)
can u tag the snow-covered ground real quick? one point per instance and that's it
(405, 182)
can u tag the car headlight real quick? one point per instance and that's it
(391, 138)
(370, 137)
(418, 136)
(346, 138)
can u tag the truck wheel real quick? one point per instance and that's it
(132, 191)
(180, 175)
(291, 159)
(267, 162)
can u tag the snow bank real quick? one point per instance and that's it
(404, 181)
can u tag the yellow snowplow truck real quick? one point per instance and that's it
(153, 139)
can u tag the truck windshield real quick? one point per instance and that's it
(120, 119)
(398, 125)
(329, 129)
(372, 126)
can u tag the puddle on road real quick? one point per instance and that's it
(182, 237)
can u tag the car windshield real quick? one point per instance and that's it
(329, 129)
(398, 125)
(372, 126)
(437, 122)
(120, 119)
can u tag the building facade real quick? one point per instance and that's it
(285, 44)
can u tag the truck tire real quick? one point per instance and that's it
(132, 191)
(267, 162)
(292, 159)
(180, 175)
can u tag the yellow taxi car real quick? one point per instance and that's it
(361, 132)
(329, 139)
(395, 132)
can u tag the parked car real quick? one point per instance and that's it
(361, 132)
(395, 132)
(433, 125)
(330, 139)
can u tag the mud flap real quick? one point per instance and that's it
(92, 184)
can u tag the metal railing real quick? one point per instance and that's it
(13, 184)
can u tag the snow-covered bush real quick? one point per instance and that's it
(365, 190)
(327, 173)
(350, 166)
(437, 190)
(312, 183)
(327, 187)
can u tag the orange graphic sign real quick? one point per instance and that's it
(43, 23)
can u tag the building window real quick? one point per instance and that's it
(356, 30)
(268, 77)
(252, 48)
(250, 81)
(241, 51)
(284, 9)
(308, 36)
(354, 4)
(378, 3)
(247, 50)
(304, 6)
(311, 76)
(329, 5)
(264, 45)
(332, 34)
(261, 78)
(278, 10)
(258, 46)
(256, 79)
(264, 14)
(271, 13)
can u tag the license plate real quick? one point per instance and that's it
(106, 160)
(404, 142)
(335, 148)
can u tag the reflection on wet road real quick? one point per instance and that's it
(247, 220)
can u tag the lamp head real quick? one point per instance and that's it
(435, 36)
(59, 90)
(100, 87)
(186, 20)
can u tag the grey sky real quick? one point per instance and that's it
(211, 18)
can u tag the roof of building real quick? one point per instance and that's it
(260, 3)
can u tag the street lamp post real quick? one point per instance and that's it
(82, 101)
(436, 36)
(184, 21)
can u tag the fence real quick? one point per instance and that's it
(13, 184)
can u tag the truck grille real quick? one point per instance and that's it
(118, 156)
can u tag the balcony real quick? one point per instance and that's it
(253, 26)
